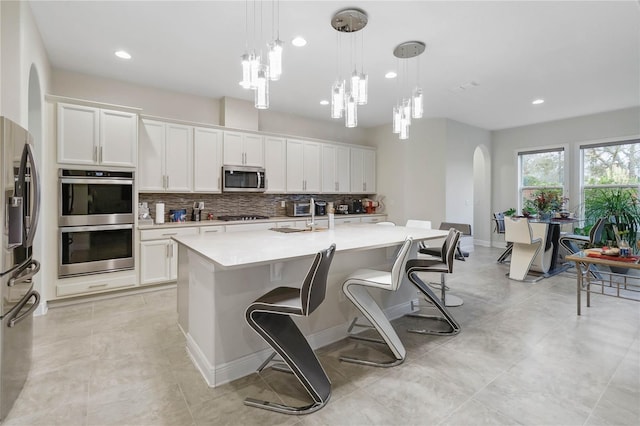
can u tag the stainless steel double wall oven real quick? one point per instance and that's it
(95, 220)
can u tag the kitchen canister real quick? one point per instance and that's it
(159, 213)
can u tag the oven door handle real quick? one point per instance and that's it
(17, 318)
(97, 181)
(95, 228)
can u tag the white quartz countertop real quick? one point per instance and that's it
(250, 248)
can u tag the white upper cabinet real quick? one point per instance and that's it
(363, 171)
(95, 136)
(207, 160)
(303, 166)
(335, 169)
(275, 164)
(243, 149)
(166, 157)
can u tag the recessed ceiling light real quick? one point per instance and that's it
(299, 41)
(122, 54)
(324, 102)
(538, 101)
(391, 74)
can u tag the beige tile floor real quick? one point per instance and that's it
(523, 357)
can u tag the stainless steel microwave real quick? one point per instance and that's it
(243, 179)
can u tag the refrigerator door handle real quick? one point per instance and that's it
(32, 224)
(26, 274)
(17, 318)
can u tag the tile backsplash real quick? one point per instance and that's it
(235, 204)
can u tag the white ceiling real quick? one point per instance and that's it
(582, 57)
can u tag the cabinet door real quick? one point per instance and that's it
(343, 166)
(155, 261)
(78, 134)
(151, 168)
(295, 175)
(357, 179)
(178, 158)
(118, 138)
(369, 171)
(311, 164)
(329, 169)
(207, 160)
(253, 150)
(275, 164)
(233, 149)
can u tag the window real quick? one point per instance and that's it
(543, 169)
(610, 172)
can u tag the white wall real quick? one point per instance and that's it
(572, 132)
(22, 50)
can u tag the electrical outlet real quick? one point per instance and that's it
(283, 204)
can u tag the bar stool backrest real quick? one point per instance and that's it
(518, 230)
(449, 248)
(415, 223)
(397, 271)
(595, 235)
(314, 286)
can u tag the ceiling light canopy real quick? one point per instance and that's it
(390, 75)
(538, 101)
(345, 98)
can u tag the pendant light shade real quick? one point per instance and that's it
(416, 103)
(246, 72)
(337, 99)
(363, 89)
(262, 87)
(351, 111)
(397, 115)
(275, 60)
(254, 66)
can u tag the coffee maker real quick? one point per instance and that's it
(357, 206)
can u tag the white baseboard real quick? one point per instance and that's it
(243, 366)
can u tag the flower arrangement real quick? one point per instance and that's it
(546, 201)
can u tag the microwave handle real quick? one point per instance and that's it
(259, 180)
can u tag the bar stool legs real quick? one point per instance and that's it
(289, 343)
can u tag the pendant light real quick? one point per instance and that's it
(345, 99)
(412, 106)
(258, 70)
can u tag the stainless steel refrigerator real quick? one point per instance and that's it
(20, 200)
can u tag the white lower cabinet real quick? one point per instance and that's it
(159, 254)
(372, 219)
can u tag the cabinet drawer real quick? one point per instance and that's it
(208, 230)
(344, 220)
(159, 234)
(95, 286)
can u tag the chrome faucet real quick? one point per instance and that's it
(312, 208)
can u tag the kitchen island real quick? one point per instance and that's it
(219, 275)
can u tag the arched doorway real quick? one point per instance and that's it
(482, 196)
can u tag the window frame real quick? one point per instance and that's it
(565, 174)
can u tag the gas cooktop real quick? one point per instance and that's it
(242, 217)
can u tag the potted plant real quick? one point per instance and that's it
(621, 206)
(544, 202)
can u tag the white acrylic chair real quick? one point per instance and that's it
(525, 248)
(355, 288)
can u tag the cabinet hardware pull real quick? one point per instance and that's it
(212, 230)
(100, 157)
(98, 285)
(169, 233)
